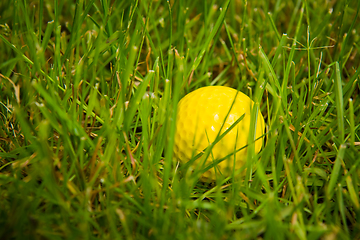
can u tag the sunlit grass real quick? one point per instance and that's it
(88, 96)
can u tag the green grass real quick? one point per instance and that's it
(88, 95)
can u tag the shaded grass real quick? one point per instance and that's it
(88, 106)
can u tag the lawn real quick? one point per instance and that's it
(88, 101)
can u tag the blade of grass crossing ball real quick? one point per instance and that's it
(207, 151)
(339, 103)
(217, 25)
(210, 158)
(219, 136)
(335, 173)
(214, 163)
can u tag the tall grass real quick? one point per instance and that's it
(88, 100)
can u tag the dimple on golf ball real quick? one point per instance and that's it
(200, 116)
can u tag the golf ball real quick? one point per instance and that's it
(201, 117)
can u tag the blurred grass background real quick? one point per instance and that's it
(88, 95)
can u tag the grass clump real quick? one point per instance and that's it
(88, 100)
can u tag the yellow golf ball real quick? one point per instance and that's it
(201, 114)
